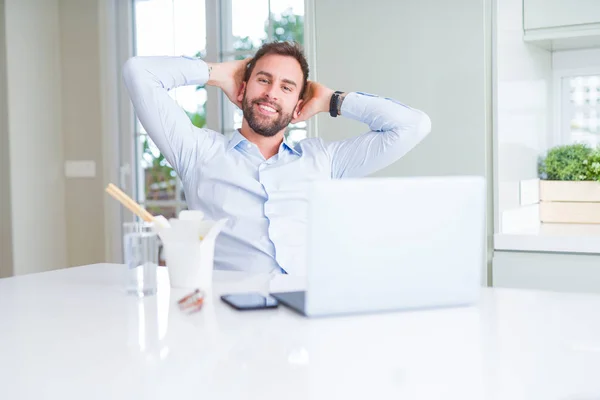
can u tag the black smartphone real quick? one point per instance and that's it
(249, 301)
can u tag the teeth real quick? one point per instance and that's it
(267, 108)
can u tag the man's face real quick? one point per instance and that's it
(270, 97)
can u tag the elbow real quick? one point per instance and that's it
(423, 126)
(131, 69)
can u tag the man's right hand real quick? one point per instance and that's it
(229, 77)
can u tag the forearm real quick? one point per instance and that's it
(165, 72)
(394, 130)
(383, 114)
(148, 80)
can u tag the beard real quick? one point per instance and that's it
(263, 124)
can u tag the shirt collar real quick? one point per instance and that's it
(293, 150)
(238, 138)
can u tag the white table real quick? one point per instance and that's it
(73, 334)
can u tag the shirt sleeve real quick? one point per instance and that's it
(148, 80)
(395, 129)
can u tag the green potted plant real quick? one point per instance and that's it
(569, 185)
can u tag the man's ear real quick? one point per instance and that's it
(240, 96)
(298, 108)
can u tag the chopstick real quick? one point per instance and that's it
(129, 203)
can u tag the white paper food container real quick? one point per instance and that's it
(189, 246)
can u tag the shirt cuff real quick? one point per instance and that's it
(352, 106)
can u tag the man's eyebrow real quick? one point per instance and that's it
(270, 76)
(289, 82)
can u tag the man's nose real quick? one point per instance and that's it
(271, 93)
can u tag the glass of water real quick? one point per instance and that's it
(140, 247)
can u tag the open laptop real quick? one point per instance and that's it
(382, 244)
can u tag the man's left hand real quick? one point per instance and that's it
(316, 99)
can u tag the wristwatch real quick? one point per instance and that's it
(333, 104)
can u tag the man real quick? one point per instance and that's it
(255, 179)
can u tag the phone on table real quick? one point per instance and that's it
(249, 301)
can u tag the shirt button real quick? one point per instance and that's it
(248, 146)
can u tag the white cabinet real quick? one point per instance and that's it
(547, 271)
(560, 13)
(562, 24)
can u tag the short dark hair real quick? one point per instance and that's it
(290, 49)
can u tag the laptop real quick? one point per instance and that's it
(385, 244)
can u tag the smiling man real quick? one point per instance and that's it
(254, 178)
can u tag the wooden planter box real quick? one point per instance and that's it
(570, 202)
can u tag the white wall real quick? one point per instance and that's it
(54, 114)
(82, 128)
(417, 52)
(523, 105)
(37, 184)
(401, 49)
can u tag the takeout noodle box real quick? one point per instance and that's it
(189, 245)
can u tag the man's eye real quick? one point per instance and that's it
(263, 80)
(287, 88)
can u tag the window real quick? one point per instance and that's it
(167, 27)
(577, 94)
(253, 24)
(580, 109)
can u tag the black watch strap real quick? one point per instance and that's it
(333, 110)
